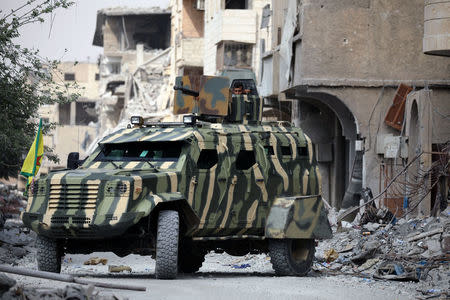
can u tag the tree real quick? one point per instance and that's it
(26, 83)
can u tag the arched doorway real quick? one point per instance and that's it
(333, 128)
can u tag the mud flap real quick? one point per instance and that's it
(302, 217)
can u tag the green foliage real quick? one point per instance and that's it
(26, 83)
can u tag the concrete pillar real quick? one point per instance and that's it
(73, 112)
(139, 54)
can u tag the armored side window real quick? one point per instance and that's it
(269, 150)
(207, 159)
(286, 151)
(245, 160)
(302, 151)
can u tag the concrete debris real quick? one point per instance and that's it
(331, 255)
(12, 202)
(96, 261)
(396, 271)
(6, 283)
(72, 292)
(145, 92)
(118, 269)
(414, 249)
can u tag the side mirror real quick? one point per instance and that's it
(73, 160)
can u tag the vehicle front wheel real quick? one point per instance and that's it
(49, 253)
(167, 245)
(291, 257)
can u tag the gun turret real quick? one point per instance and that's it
(186, 91)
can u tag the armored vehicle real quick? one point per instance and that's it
(221, 180)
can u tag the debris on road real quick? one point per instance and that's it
(118, 269)
(378, 246)
(67, 278)
(96, 261)
(241, 266)
(331, 255)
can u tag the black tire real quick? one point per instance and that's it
(191, 260)
(291, 257)
(167, 245)
(49, 253)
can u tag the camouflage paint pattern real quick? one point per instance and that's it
(298, 217)
(244, 108)
(214, 95)
(229, 178)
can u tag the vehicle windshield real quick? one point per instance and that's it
(141, 151)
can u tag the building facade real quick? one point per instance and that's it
(76, 121)
(134, 70)
(187, 36)
(232, 35)
(341, 64)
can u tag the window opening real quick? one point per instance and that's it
(236, 4)
(85, 113)
(69, 76)
(245, 160)
(302, 151)
(269, 150)
(286, 151)
(207, 159)
(141, 151)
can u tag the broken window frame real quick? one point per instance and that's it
(224, 62)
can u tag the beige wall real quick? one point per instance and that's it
(84, 77)
(372, 40)
(193, 20)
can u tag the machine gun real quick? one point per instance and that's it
(185, 90)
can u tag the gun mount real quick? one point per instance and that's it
(210, 98)
(185, 90)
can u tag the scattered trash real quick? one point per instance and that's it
(96, 261)
(242, 266)
(117, 269)
(331, 255)
(395, 271)
(67, 260)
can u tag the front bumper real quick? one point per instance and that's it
(80, 226)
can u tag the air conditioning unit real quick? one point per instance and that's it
(199, 4)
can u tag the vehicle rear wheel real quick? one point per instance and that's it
(49, 253)
(167, 245)
(291, 257)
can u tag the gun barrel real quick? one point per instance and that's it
(186, 91)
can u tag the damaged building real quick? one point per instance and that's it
(368, 92)
(76, 121)
(236, 35)
(134, 75)
(187, 37)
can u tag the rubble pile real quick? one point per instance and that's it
(16, 241)
(379, 246)
(12, 202)
(150, 90)
(9, 290)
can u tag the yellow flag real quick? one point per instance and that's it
(33, 160)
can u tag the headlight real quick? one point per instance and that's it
(189, 120)
(137, 120)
